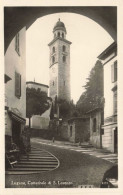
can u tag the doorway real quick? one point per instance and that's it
(115, 141)
(16, 130)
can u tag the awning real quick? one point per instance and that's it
(6, 78)
(16, 117)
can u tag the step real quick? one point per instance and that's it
(34, 166)
(30, 169)
(38, 155)
(38, 160)
(47, 157)
(36, 163)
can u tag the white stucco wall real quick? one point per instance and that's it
(41, 87)
(108, 85)
(15, 63)
(39, 122)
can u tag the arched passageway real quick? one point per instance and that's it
(17, 17)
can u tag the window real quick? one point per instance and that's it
(53, 50)
(53, 59)
(102, 131)
(114, 72)
(94, 125)
(115, 102)
(17, 44)
(53, 83)
(58, 34)
(63, 35)
(64, 48)
(17, 85)
(64, 58)
(71, 131)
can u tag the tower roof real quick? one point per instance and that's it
(59, 26)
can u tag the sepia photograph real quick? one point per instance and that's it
(61, 82)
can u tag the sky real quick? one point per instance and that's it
(88, 40)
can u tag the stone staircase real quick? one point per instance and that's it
(36, 161)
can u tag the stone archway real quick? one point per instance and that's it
(18, 17)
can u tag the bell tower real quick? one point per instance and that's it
(59, 68)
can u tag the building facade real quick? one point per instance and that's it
(59, 68)
(110, 128)
(15, 88)
(42, 87)
(96, 121)
(78, 129)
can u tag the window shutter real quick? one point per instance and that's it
(114, 72)
(17, 44)
(115, 102)
(17, 84)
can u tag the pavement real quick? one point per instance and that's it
(83, 148)
(73, 167)
(41, 160)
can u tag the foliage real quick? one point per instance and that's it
(36, 102)
(93, 94)
(66, 109)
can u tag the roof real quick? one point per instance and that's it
(108, 51)
(59, 39)
(40, 84)
(59, 26)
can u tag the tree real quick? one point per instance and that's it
(66, 108)
(36, 102)
(93, 95)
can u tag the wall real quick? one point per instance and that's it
(108, 85)
(80, 130)
(64, 71)
(63, 130)
(39, 122)
(95, 139)
(14, 62)
(36, 86)
(71, 125)
(53, 71)
(110, 121)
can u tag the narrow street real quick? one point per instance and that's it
(70, 168)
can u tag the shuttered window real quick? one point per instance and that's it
(53, 50)
(17, 44)
(64, 48)
(115, 102)
(114, 72)
(53, 59)
(64, 58)
(17, 85)
(94, 125)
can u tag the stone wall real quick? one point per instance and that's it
(78, 130)
(95, 134)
